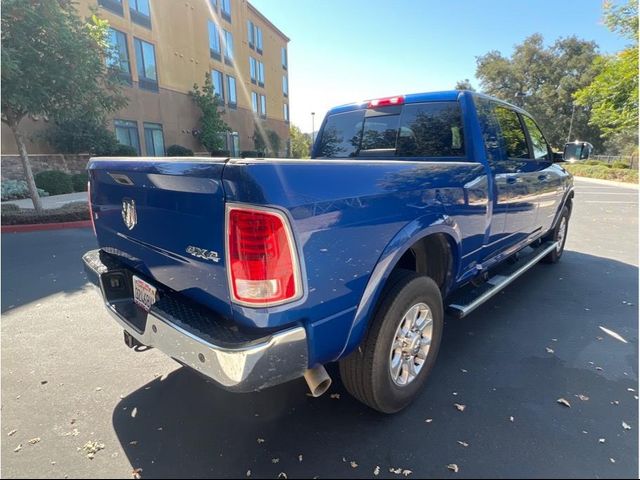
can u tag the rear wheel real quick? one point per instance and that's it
(393, 362)
(558, 235)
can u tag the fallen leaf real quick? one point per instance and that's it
(463, 370)
(453, 467)
(260, 440)
(33, 441)
(397, 471)
(376, 471)
(460, 407)
(615, 402)
(134, 442)
(44, 382)
(612, 460)
(549, 350)
(601, 440)
(564, 402)
(18, 448)
(300, 458)
(464, 444)
(275, 460)
(511, 419)
(136, 473)
(11, 433)
(428, 420)
(98, 389)
(335, 396)
(584, 398)
(282, 475)
(626, 426)
(600, 369)
(91, 448)
(406, 473)
(630, 390)
(248, 473)
(353, 464)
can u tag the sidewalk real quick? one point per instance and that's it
(55, 201)
(611, 183)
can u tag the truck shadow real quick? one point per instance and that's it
(494, 362)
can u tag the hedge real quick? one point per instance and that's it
(54, 182)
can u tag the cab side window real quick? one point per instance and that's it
(538, 143)
(514, 140)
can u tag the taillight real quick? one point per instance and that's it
(386, 102)
(93, 222)
(261, 257)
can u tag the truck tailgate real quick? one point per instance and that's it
(165, 219)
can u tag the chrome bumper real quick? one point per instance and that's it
(237, 364)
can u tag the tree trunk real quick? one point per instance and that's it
(24, 157)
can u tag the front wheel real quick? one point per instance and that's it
(559, 234)
(388, 370)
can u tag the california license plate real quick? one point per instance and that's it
(144, 294)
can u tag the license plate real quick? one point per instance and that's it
(144, 294)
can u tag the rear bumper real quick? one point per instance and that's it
(198, 338)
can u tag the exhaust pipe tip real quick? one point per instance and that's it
(318, 380)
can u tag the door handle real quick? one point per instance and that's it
(543, 177)
(512, 180)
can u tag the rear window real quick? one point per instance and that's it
(432, 129)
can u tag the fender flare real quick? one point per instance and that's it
(395, 249)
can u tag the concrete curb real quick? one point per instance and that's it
(611, 183)
(36, 227)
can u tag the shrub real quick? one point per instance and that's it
(595, 163)
(179, 151)
(10, 207)
(54, 182)
(17, 190)
(121, 150)
(220, 153)
(251, 154)
(620, 164)
(68, 213)
(79, 181)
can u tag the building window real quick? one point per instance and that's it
(263, 106)
(127, 133)
(231, 90)
(153, 139)
(216, 79)
(140, 13)
(286, 112)
(261, 74)
(226, 10)
(113, 5)
(259, 39)
(285, 86)
(119, 54)
(214, 41)
(283, 54)
(251, 32)
(146, 63)
(214, 4)
(254, 102)
(253, 69)
(228, 47)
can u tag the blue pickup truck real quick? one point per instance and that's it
(255, 272)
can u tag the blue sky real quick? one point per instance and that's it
(348, 50)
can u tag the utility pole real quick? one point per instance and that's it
(313, 127)
(573, 110)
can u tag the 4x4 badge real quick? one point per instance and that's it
(202, 253)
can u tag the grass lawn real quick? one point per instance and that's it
(603, 172)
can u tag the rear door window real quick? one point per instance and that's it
(538, 143)
(513, 134)
(341, 135)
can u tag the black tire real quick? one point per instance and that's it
(366, 371)
(555, 255)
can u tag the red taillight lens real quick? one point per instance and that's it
(386, 102)
(93, 222)
(261, 259)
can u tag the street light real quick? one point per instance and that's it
(313, 128)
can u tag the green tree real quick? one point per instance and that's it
(212, 126)
(259, 140)
(300, 143)
(612, 96)
(52, 63)
(81, 133)
(274, 143)
(543, 80)
(464, 85)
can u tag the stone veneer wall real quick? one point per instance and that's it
(11, 166)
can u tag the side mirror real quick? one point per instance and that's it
(577, 151)
(558, 157)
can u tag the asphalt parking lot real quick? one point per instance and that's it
(68, 379)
